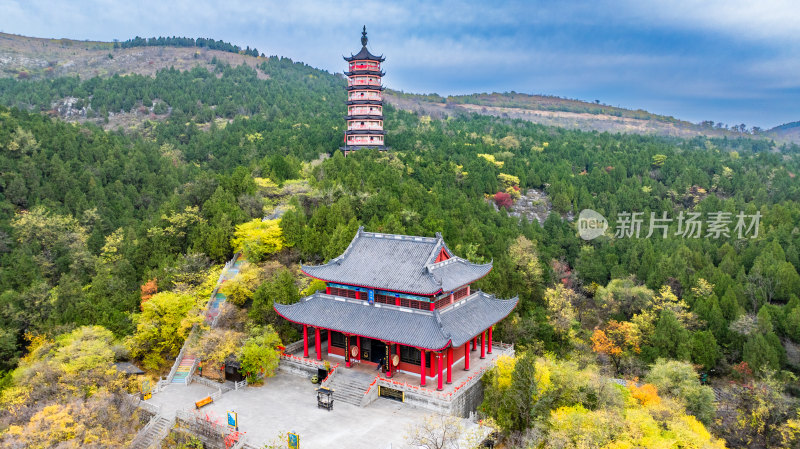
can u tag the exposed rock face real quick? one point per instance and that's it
(69, 108)
(533, 205)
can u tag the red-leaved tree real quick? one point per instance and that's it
(502, 199)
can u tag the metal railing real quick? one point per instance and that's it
(240, 385)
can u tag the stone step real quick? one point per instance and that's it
(150, 438)
(350, 387)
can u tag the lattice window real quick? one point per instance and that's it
(443, 302)
(337, 339)
(410, 355)
(384, 299)
(343, 292)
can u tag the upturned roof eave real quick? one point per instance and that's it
(453, 325)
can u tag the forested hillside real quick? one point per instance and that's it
(95, 222)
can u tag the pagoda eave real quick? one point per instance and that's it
(369, 87)
(357, 102)
(365, 132)
(364, 147)
(364, 117)
(365, 72)
(363, 57)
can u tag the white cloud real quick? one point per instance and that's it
(773, 21)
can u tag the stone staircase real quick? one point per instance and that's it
(213, 308)
(153, 433)
(350, 387)
(184, 364)
(184, 369)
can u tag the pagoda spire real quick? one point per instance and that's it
(364, 39)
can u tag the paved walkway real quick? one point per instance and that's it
(288, 403)
(175, 397)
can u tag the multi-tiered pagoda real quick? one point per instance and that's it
(402, 301)
(364, 100)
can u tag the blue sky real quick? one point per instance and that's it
(731, 61)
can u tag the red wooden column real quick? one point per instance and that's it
(474, 343)
(358, 343)
(483, 344)
(422, 367)
(433, 306)
(317, 344)
(466, 356)
(305, 341)
(433, 362)
(490, 340)
(450, 365)
(327, 290)
(439, 364)
(328, 348)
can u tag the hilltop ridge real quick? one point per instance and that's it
(23, 57)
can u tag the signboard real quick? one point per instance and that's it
(293, 440)
(144, 387)
(233, 420)
(371, 296)
(391, 393)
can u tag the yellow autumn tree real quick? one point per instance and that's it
(646, 394)
(165, 322)
(507, 180)
(66, 393)
(240, 289)
(258, 239)
(216, 345)
(560, 313)
(617, 340)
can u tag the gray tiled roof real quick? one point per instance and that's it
(470, 316)
(454, 324)
(364, 54)
(398, 263)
